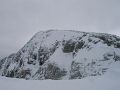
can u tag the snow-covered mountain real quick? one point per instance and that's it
(57, 54)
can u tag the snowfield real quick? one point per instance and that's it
(108, 81)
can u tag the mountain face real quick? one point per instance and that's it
(57, 55)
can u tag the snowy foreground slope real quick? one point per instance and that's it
(108, 81)
(64, 55)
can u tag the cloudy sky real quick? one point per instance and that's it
(21, 19)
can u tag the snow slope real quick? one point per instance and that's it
(109, 81)
(64, 55)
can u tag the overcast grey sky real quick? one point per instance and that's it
(21, 19)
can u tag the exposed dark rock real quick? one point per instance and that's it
(54, 72)
(69, 46)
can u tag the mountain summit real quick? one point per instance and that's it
(57, 54)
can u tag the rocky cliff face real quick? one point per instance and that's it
(63, 55)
